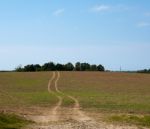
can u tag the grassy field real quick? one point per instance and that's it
(112, 93)
(119, 92)
(11, 121)
(121, 97)
(25, 89)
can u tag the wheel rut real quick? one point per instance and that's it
(56, 110)
(77, 114)
(54, 114)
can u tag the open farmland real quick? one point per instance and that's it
(25, 90)
(112, 92)
(50, 97)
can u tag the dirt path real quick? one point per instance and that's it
(50, 82)
(55, 111)
(54, 114)
(77, 114)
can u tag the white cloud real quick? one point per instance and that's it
(112, 8)
(58, 12)
(143, 24)
(100, 8)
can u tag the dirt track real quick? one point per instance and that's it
(66, 118)
(76, 113)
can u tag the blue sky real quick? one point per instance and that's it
(110, 32)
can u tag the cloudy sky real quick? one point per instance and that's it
(110, 32)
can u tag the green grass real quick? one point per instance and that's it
(112, 102)
(10, 121)
(25, 89)
(131, 119)
(108, 92)
(67, 102)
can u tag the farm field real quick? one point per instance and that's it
(112, 92)
(49, 97)
(25, 90)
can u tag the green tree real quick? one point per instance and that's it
(85, 67)
(100, 68)
(93, 67)
(60, 67)
(69, 67)
(29, 68)
(19, 69)
(77, 66)
(49, 66)
(37, 67)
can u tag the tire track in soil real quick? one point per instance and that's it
(53, 115)
(50, 82)
(55, 111)
(77, 114)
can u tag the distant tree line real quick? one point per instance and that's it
(51, 66)
(144, 71)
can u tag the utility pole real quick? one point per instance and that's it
(120, 69)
